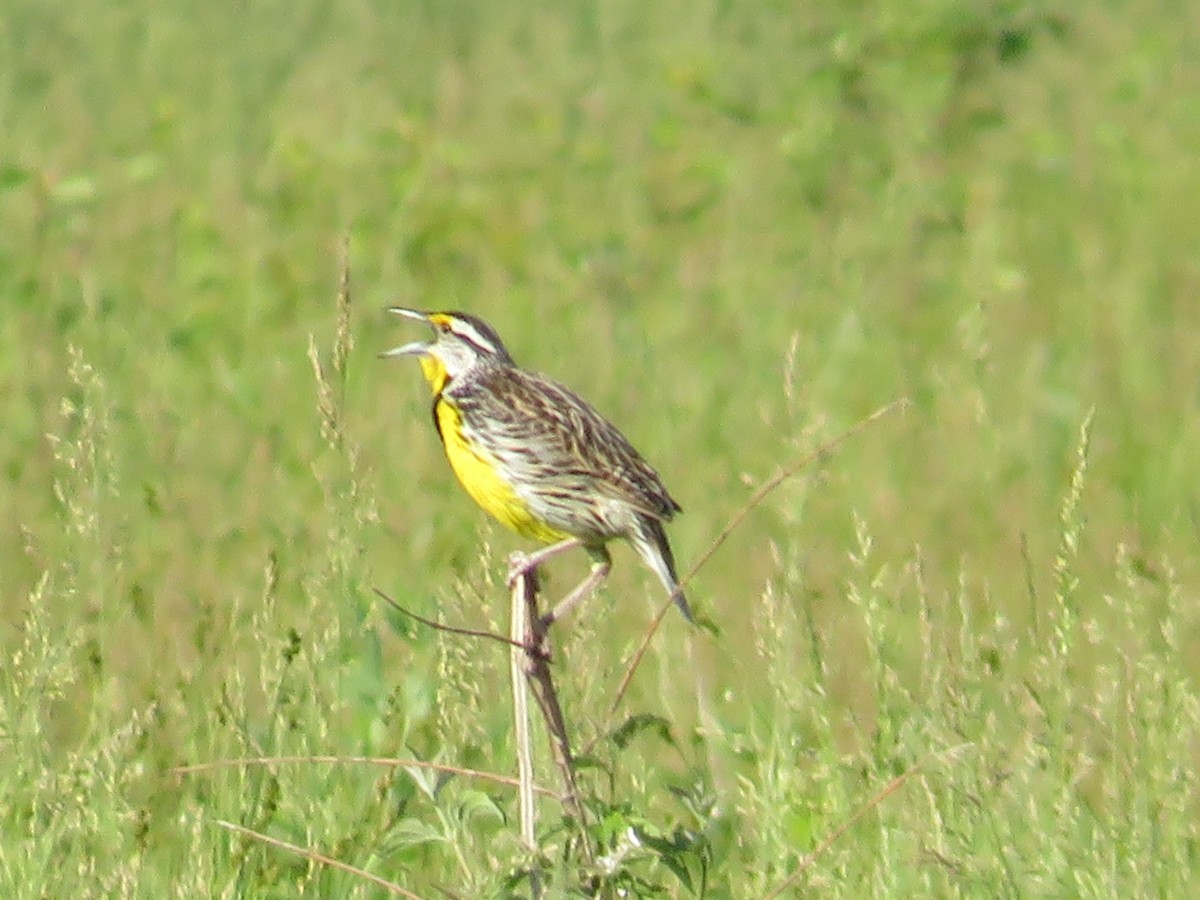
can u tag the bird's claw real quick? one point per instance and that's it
(519, 565)
(537, 650)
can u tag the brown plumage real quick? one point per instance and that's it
(537, 456)
(538, 425)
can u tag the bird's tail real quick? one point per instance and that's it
(650, 541)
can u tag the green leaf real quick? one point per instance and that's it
(412, 832)
(478, 807)
(623, 734)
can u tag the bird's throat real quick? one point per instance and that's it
(435, 373)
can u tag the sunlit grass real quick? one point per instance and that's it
(737, 230)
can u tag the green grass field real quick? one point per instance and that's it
(956, 655)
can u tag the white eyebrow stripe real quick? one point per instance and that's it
(471, 333)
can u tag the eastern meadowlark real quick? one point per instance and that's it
(539, 458)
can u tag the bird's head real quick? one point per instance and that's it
(461, 344)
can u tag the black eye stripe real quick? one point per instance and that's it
(477, 333)
(472, 336)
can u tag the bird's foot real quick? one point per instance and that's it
(519, 565)
(537, 649)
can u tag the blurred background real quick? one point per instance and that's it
(736, 228)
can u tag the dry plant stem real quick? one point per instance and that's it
(385, 761)
(890, 788)
(343, 341)
(525, 790)
(449, 629)
(317, 857)
(761, 494)
(537, 670)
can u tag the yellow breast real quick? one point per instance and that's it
(482, 479)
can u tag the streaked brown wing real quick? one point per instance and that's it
(571, 437)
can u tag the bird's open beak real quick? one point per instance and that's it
(416, 348)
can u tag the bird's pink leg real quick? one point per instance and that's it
(523, 563)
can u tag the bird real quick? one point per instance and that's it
(539, 458)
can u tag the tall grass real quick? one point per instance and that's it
(954, 656)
